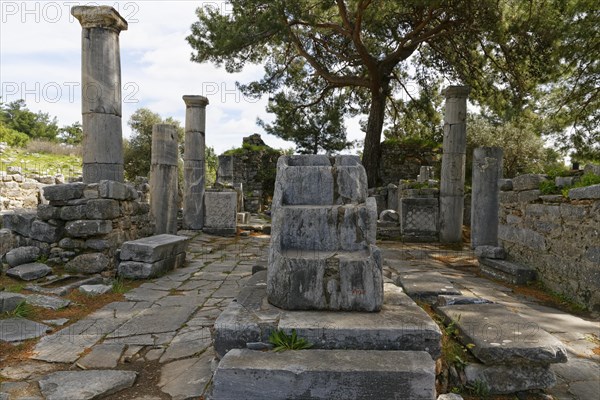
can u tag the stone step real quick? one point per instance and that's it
(400, 325)
(325, 374)
(507, 271)
(153, 248)
(503, 337)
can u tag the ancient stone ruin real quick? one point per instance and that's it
(323, 254)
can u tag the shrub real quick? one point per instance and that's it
(13, 138)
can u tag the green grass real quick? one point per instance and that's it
(41, 162)
(119, 286)
(23, 310)
(17, 288)
(283, 341)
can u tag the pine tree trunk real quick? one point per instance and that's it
(372, 147)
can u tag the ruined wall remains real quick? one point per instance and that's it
(83, 225)
(253, 165)
(558, 236)
(403, 161)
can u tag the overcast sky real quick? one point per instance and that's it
(40, 62)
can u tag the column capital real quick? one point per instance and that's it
(99, 17)
(457, 92)
(195, 101)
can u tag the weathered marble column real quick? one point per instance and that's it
(101, 92)
(452, 185)
(163, 178)
(487, 170)
(194, 162)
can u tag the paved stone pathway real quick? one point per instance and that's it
(160, 333)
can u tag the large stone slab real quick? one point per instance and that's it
(102, 356)
(49, 302)
(501, 336)
(64, 192)
(187, 379)
(426, 286)
(85, 385)
(155, 320)
(29, 272)
(507, 271)
(153, 248)
(325, 374)
(504, 379)
(20, 329)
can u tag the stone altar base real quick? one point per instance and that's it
(355, 355)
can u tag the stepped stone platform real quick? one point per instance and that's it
(400, 325)
(152, 256)
(507, 271)
(325, 375)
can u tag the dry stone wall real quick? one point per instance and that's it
(400, 161)
(83, 225)
(559, 237)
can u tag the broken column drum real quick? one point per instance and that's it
(323, 254)
(194, 162)
(163, 179)
(487, 170)
(101, 92)
(452, 183)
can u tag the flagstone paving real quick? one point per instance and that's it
(161, 331)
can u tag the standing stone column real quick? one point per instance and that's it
(163, 179)
(194, 162)
(101, 92)
(487, 170)
(453, 164)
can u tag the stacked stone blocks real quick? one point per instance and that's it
(323, 254)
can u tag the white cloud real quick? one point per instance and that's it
(41, 49)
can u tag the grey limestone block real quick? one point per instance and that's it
(90, 263)
(588, 192)
(108, 189)
(145, 270)
(22, 255)
(505, 379)
(68, 191)
(324, 374)
(46, 232)
(102, 209)
(10, 301)
(19, 222)
(46, 212)
(72, 213)
(87, 228)
(490, 252)
(153, 248)
(527, 182)
(508, 271)
(29, 272)
(502, 337)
